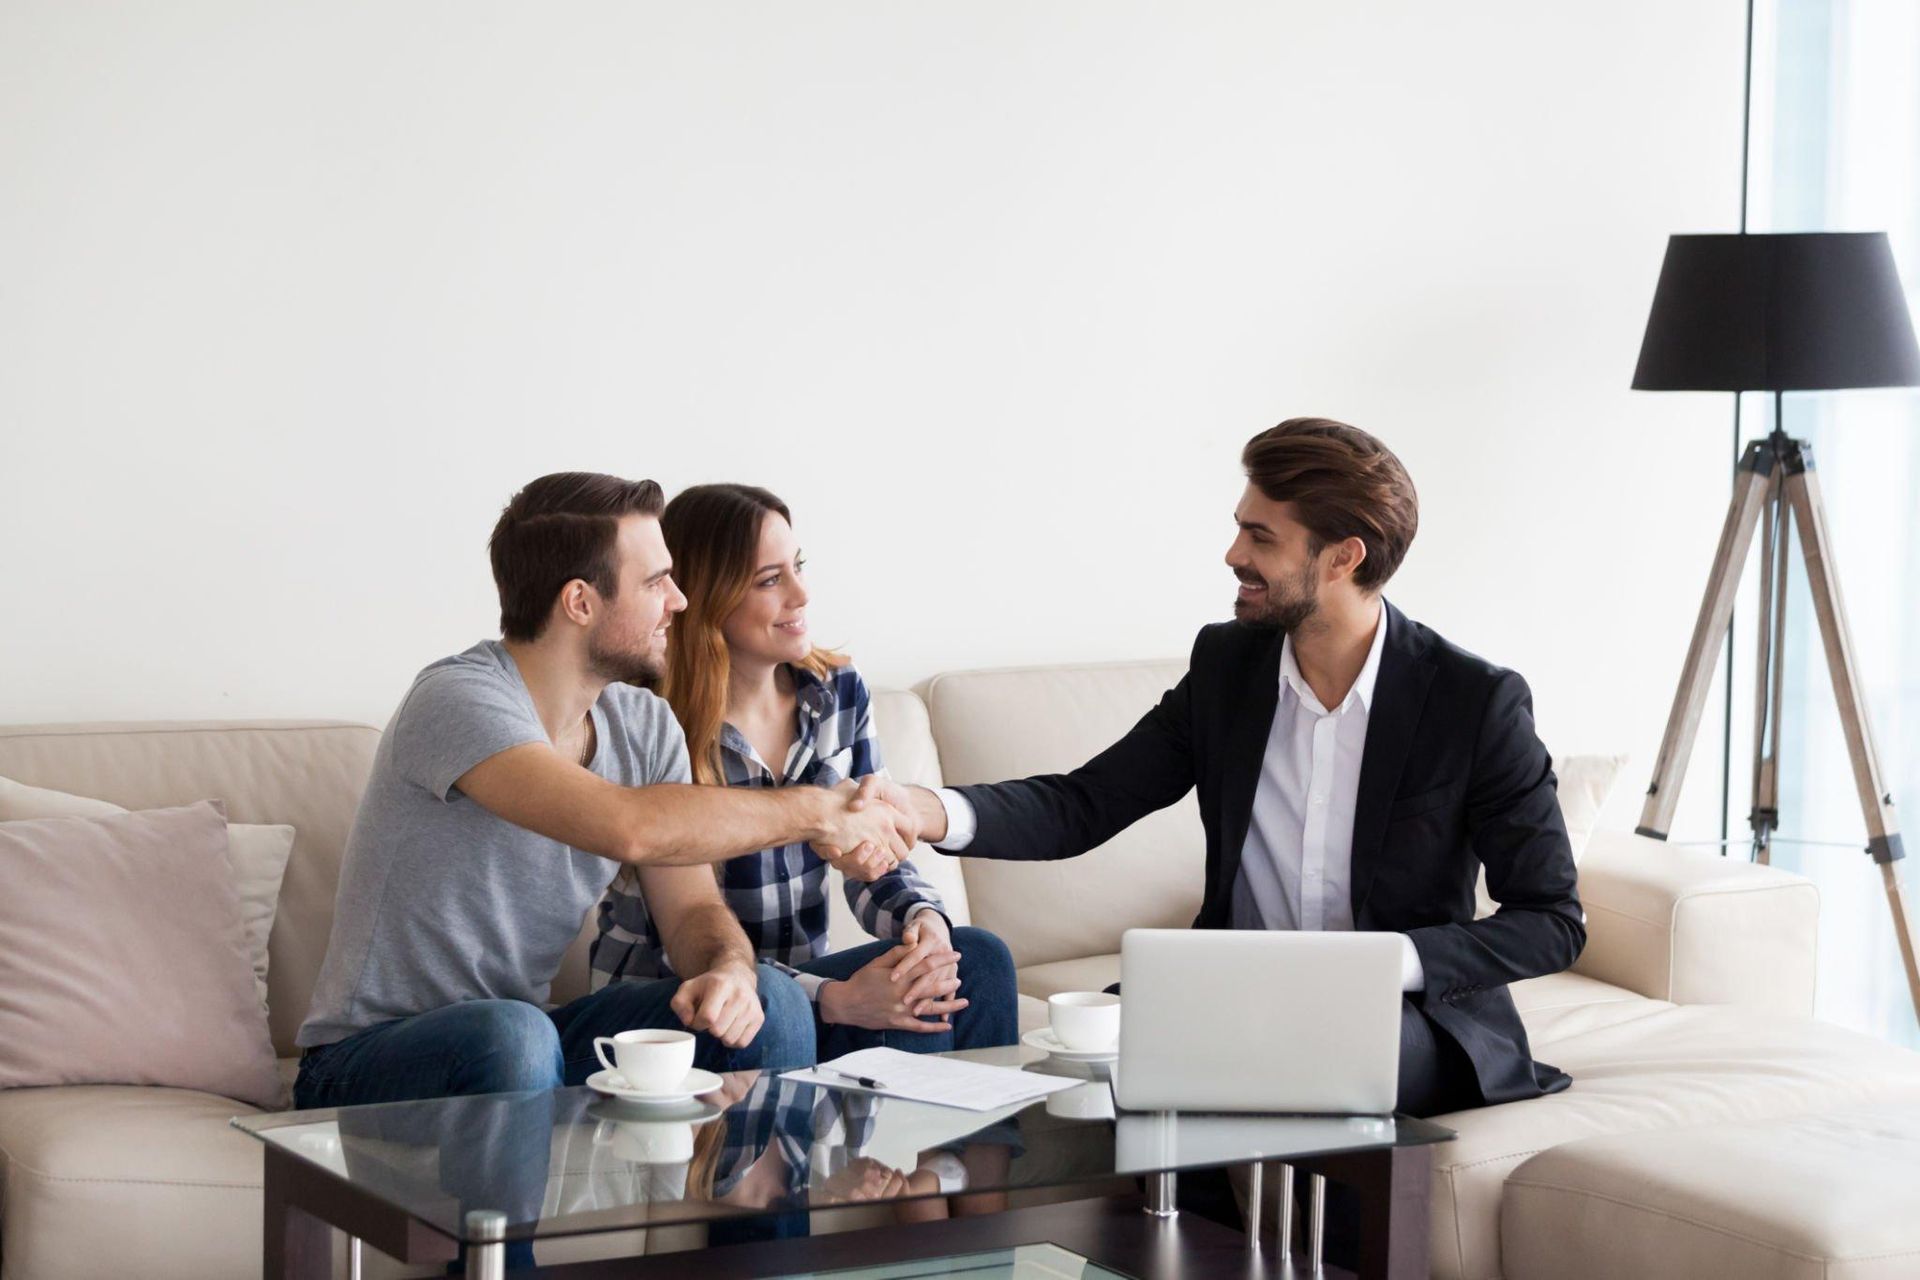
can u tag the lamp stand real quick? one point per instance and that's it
(1776, 479)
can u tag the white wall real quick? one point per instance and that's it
(293, 296)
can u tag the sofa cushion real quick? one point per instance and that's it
(1670, 1069)
(992, 725)
(125, 960)
(1815, 1197)
(1094, 973)
(109, 1180)
(1697, 928)
(305, 774)
(257, 854)
(1569, 1004)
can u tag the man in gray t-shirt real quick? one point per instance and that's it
(513, 782)
(420, 922)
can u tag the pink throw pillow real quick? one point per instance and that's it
(125, 960)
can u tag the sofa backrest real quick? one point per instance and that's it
(972, 726)
(307, 774)
(991, 725)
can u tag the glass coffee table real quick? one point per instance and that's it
(766, 1163)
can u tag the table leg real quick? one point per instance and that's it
(1162, 1189)
(1317, 1221)
(1256, 1202)
(1396, 1216)
(1286, 1213)
(295, 1245)
(487, 1261)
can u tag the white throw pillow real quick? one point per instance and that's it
(257, 856)
(1585, 782)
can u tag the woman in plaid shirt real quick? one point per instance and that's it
(762, 707)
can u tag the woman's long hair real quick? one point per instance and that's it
(713, 535)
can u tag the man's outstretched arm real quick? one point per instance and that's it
(677, 824)
(1063, 815)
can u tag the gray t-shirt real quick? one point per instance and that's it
(440, 901)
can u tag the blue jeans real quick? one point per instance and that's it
(992, 1015)
(507, 1046)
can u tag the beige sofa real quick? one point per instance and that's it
(1689, 1008)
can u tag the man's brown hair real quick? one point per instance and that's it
(558, 528)
(1343, 484)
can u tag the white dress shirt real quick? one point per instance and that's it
(1296, 864)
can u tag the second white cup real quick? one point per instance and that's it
(648, 1060)
(1085, 1021)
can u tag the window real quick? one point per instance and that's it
(1836, 147)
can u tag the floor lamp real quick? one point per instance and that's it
(1779, 313)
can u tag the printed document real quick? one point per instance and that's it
(925, 1077)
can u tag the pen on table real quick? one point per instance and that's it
(865, 1082)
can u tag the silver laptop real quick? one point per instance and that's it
(1246, 1020)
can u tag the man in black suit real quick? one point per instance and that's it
(1355, 772)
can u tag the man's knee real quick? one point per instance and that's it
(503, 1046)
(786, 1037)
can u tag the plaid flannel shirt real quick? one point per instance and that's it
(819, 1132)
(780, 894)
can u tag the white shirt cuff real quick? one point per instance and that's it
(961, 821)
(1413, 975)
(811, 984)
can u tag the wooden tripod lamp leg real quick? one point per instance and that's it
(1751, 492)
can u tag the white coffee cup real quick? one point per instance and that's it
(642, 1142)
(1085, 1021)
(649, 1060)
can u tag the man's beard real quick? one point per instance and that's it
(619, 664)
(1281, 610)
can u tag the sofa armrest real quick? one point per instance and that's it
(1696, 928)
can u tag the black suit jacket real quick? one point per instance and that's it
(1453, 777)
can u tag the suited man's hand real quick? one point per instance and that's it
(929, 816)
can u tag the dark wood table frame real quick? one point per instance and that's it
(303, 1201)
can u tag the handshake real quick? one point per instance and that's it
(868, 829)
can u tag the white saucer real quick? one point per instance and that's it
(695, 1111)
(1043, 1039)
(696, 1083)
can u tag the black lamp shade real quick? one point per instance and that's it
(1804, 312)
